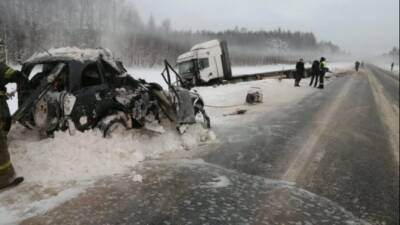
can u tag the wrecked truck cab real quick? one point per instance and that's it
(79, 89)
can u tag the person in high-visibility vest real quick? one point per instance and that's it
(8, 177)
(323, 70)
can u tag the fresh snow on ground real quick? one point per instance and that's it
(60, 168)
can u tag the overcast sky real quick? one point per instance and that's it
(359, 26)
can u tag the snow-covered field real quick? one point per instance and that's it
(58, 169)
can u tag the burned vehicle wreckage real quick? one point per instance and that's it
(74, 89)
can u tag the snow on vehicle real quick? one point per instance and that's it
(71, 88)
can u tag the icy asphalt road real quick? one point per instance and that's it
(339, 143)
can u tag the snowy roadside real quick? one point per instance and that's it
(59, 169)
(276, 93)
(387, 67)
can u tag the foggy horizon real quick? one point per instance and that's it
(362, 28)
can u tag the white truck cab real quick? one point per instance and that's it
(206, 62)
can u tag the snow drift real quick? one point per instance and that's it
(88, 155)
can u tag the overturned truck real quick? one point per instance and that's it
(80, 89)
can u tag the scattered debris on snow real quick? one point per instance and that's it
(237, 112)
(137, 178)
(218, 182)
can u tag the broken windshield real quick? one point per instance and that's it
(186, 67)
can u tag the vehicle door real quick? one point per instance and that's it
(91, 97)
(207, 71)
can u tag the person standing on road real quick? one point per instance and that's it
(392, 67)
(7, 174)
(323, 70)
(357, 66)
(300, 70)
(314, 73)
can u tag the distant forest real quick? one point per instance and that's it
(29, 26)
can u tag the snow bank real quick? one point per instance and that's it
(89, 156)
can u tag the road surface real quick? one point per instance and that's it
(331, 158)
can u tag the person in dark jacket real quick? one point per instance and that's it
(300, 70)
(7, 174)
(357, 65)
(314, 73)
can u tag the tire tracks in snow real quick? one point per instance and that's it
(388, 112)
(310, 151)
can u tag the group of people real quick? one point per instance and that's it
(318, 71)
(8, 177)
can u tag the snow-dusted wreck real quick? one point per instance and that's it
(81, 89)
